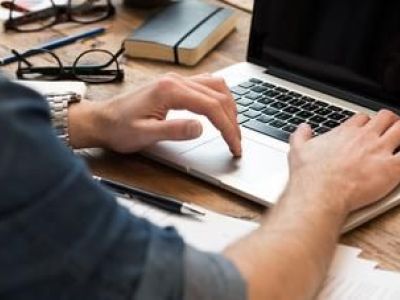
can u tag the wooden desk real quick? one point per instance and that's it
(380, 239)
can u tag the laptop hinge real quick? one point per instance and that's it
(327, 89)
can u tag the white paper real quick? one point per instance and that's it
(213, 232)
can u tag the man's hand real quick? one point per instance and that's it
(331, 175)
(135, 120)
(356, 163)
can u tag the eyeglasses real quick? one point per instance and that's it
(92, 66)
(48, 13)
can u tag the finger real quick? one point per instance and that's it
(219, 84)
(391, 138)
(301, 135)
(358, 120)
(382, 121)
(179, 96)
(217, 89)
(174, 130)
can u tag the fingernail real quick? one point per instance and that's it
(194, 130)
(238, 151)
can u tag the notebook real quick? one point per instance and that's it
(183, 32)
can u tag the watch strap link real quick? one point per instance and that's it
(59, 113)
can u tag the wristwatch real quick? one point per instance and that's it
(59, 104)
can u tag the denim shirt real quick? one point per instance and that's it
(65, 237)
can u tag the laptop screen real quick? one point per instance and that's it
(351, 45)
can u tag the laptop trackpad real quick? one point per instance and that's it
(262, 171)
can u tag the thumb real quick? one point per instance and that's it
(177, 130)
(301, 135)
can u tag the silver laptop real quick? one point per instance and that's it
(308, 61)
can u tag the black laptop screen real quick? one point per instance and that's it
(352, 45)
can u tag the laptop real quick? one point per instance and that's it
(314, 61)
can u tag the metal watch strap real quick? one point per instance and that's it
(59, 113)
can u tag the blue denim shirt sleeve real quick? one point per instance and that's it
(62, 236)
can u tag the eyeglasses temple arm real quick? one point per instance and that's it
(20, 57)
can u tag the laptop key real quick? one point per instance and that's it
(259, 89)
(277, 124)
(318, 119)
(278, 105)
(241, 109)
(313, 125)
(335, 108)
(289, 128)
(310, 107)
(245, 102)
(297, 102)
(253, 96)
(268, 85)
(252, 114)
(270, 111)
(304, 114)
(291, 110)
(323, 111)
(283, 116)
(284, 98)
(257, 106)
(349, 113)
(267, 130)
(247, 84)
(321, 130)
(265, 100)
(255, 80)
(281, 90)
(242, 119)
(331, 124)
(296, 121)
(272, 94)
(336, 116)
(294, 94)
(322, 104)
(239, 91)
(265, 118)
(308, 99)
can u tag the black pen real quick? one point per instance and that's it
(160, 201)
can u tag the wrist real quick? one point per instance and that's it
(325, 193)
(312, 203)
(85, 121)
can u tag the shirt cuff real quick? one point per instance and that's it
(211, 276)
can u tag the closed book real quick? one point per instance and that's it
(183, 32)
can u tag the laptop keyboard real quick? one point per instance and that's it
(275, 111)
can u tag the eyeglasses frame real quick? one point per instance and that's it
(71, 72)
(62, 14)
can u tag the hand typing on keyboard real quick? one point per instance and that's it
(357, 162)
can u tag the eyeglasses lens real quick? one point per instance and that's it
(45, 66)
(87, 11)
(32, 15)
(96, 66)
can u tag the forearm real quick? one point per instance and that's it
(288, 256)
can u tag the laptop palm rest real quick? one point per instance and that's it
(260, 174)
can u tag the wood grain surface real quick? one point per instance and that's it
(245, 5)
(380, 238)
